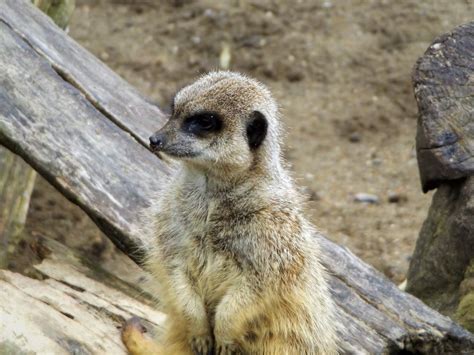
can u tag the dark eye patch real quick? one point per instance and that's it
(202, 123)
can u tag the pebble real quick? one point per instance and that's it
(295, 75)
(196, 39)
(394, 197)
(104, 55)
(366, 198)
(209, 13)
(327, 4)
(355, 137)
(253, 41)
(376, 162)
(269, 71)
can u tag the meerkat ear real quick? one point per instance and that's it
(256, 129)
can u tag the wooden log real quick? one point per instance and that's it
(85, 144)
(17, 180)
(105, 90)
(439, 270)
(465, 310)
(73, 307)
(442, 80)
(86, 150)
(445, 248)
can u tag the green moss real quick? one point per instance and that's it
(9, 348)
(470, 270)
(465, 312)
(60, 11)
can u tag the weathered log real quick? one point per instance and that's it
(444, 92)
(74, 307)
(465, 310)
(445, 247)
(16, 185)
(86, 123)
(120, 178)
(105, 90)
(17, 179)
(443, 81)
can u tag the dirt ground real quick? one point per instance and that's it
(340, 71)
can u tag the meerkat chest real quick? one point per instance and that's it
(210, 271)
(192, 241)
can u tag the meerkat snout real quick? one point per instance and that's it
(156, 141)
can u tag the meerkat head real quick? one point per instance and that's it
(223, 122)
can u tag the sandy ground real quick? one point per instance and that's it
(340, 71)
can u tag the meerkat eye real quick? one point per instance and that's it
(202, 123)
(256, 129)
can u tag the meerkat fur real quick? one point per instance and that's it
(238, 266)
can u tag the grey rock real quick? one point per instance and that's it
(366, 198)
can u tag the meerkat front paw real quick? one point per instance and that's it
(202, 345)
(228, 349)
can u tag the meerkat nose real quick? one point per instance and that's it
(156, 141)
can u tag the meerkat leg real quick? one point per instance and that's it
(230, 319)
(176, 340)
(190, 319)
(242, 326)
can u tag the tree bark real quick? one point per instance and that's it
(445, 248)
(441, 271)
(17, 180)
(442, 81)
(71, 306)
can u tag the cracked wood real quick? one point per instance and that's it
(443, 80)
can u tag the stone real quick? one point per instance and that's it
(366, 198)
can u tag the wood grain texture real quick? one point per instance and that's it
(445, 248)
(59, 129)
(107, 91)
(443, 80)
(71, 309)
(444, 89)
(17, 180)
(64, 137)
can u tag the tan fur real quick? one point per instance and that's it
(238, 265)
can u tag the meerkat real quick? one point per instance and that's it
(237, 264)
